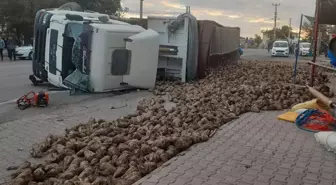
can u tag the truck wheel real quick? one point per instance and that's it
(72, 6)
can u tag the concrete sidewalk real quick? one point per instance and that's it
(256, 149)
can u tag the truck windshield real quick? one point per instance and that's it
(280, 44)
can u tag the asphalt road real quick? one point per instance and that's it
(14, 79)
(262, 54)
(15, 83)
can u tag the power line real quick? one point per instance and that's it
(275, 17)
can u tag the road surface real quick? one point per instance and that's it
(14, 80)
(15, 83)
(262, 54)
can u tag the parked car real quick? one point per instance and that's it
(24, 52)
(304, 48)
(280, 48)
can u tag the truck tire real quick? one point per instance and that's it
(72, 6)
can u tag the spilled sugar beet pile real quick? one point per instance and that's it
(120, 152)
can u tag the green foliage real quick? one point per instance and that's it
(308, 31)
(110, 7)
(257, 40)
(17, 16)
(281, 33)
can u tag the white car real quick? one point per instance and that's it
(24, 52)
(280, 48)
(304, 48)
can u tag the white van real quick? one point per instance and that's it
(280, 48)
(304, 48)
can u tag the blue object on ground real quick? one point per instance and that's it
(332, 58)
(241, 51)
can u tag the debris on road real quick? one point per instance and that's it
(40, 99)
(118, 107)
(10, 168)
(124, 150)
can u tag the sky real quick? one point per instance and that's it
(250, 15)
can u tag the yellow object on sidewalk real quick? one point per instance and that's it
(313, 104)
(288, 116)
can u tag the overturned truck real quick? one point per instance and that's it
(88, 51)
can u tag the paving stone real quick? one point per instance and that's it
(326, 182)
(294, 181)
(280, 178)
(264, 178)
(147, 183)
(248, 179)
(197, 181)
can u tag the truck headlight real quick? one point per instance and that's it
(286, 50)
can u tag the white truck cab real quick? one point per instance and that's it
(280, 48)
(90, 52)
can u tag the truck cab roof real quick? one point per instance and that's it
(92, 16)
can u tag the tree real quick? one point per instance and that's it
(110, 7)
(281, 33)
(257, 40)
(308, 32)
(17, 16)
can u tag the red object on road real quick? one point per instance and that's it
(40, 99)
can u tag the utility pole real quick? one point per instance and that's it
(141, 9)
(188, 9)
(275, 17)
(290, 28)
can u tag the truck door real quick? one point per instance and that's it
(144, 53)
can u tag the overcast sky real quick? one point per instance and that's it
(250, 15)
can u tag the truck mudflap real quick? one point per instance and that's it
(144, 64)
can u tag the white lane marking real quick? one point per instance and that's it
(4, 67)
(14, 100)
